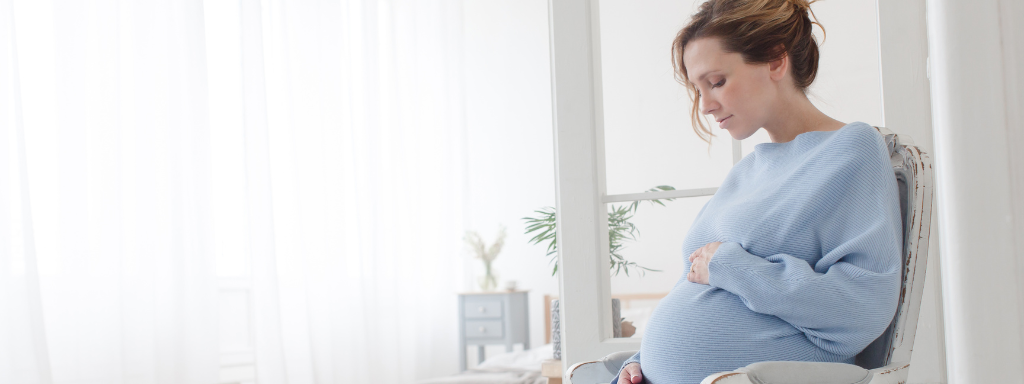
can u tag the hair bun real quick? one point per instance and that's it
(801, 4)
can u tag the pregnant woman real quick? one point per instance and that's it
(797, 256)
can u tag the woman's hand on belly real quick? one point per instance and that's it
(630, 374)
(699, 260)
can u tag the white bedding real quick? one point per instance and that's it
(507, 368)
(485, 377)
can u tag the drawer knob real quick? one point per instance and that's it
(482, 309)
(483, 329)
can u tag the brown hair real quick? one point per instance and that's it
(761, 31)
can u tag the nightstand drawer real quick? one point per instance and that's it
(483, 308)
(491, 329)
(488, 318)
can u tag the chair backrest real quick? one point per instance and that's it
(913, 169)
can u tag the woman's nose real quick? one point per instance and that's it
(707, 105)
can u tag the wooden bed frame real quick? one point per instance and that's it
(625, 300)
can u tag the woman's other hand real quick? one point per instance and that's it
(699, 260)
(630, 374)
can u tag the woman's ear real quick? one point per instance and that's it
(777, 68)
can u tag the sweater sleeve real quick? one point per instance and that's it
(841, 311)
(849, 296)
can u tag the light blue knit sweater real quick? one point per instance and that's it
(809, 268)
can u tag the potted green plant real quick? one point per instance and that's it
(620, 230)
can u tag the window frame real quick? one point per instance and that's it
(581, 188)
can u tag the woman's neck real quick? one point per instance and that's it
(797, 115)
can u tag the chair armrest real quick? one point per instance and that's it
(614, 361)
(727, 378)
(894, 373)
(805, 372)
(800, 372)
(594, 372)
(588, 372)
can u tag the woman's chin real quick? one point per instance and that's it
(733, 133)
(739, 133)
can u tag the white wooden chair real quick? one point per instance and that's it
(884, 361)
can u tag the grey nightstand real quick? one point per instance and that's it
(492, 318)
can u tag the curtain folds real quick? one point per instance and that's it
(217, 191)
(24, 359)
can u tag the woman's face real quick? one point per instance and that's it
(739, 96)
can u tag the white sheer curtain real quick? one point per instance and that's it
(308, 154)
(351, 118)
(110, 240)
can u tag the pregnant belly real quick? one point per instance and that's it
(698, 330)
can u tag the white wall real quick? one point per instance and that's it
(648, 136)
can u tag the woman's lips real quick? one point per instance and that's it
(721, 123)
